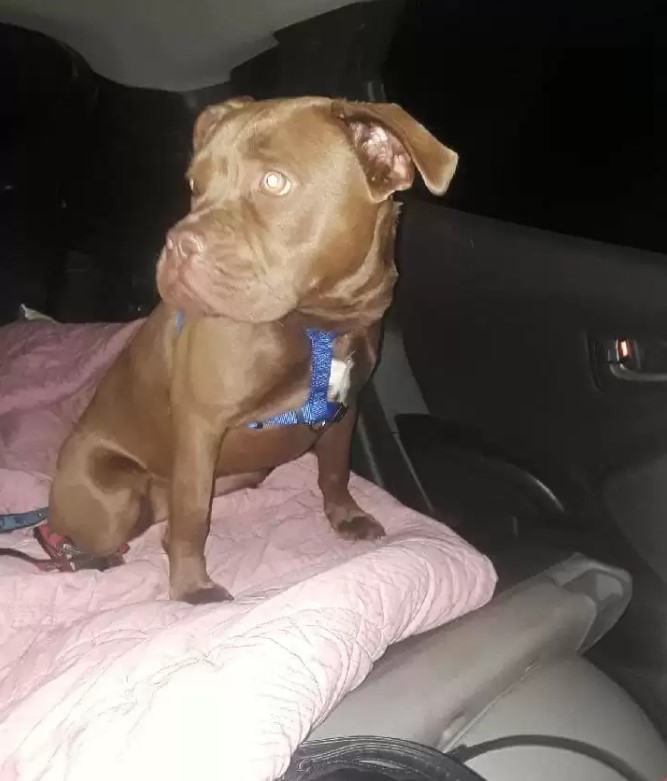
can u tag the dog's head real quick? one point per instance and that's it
(291, 207)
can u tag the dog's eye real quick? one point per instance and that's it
(275, 183)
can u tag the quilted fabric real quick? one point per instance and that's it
(102, 677)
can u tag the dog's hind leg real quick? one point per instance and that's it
(99, 497)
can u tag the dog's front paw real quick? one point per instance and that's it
(203, 596)
(360, 527)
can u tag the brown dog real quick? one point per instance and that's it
(291, 227)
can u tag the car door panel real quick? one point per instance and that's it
(504, 329)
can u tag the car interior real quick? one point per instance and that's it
(521, 396)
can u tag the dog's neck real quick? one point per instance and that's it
(361, 299)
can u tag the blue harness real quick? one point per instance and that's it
(10, 522)
(317, 410)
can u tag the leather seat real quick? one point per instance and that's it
(513, 667)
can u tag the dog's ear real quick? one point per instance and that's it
(390, 143)
(208, 120)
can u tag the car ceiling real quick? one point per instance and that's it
(163, 44)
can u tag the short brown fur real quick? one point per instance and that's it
(250, 267)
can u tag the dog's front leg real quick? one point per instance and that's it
(333, 459)
(196, 448)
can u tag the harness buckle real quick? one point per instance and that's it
(66, 557)
(340, 413)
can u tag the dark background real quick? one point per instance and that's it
(558, 109)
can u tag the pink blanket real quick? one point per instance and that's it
(102, 677)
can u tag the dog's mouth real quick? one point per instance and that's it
(175, 287)
(197, 287)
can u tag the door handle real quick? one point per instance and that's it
(631, 361)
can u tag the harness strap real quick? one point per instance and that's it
(10, 522)
(317, 409)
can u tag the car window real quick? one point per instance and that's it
(558, 110)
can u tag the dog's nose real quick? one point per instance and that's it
(184, 243)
